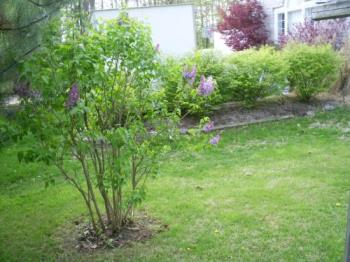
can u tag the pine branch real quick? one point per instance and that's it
(29, 24)
(15, 62)
(24, 26)
(44, 5)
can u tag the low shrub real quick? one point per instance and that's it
(255, 74)
(171, 79)
(312, 69)
(209, 62)
(197, 97)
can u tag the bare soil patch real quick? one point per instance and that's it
(234, 114)
(80, 235)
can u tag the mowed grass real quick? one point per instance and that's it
(269, 192)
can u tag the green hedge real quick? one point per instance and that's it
(255, 74)
(312, 69)
(250, 75)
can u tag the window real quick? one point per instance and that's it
(308, 13)
(294, 17)
(281, 24)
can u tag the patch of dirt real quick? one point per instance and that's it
(81, 236)
(232, 114)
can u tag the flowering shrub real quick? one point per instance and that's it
(256, 74)
(212, 63)
(189, 85)
(312, 69)
(331, 32)
(243, 25)
(100, 120)
(198, 95)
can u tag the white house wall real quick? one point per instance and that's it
(173, 27)
(269, 7)
(275, 7)
(219, 43)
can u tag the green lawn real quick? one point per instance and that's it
(269, 192)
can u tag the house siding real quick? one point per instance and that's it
(269, 6)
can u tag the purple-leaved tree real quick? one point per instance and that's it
(243, 25)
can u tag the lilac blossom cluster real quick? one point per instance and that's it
(215, 140)
(23, 90)
(190, 75)
(183, 130)
(208, 127)
(206, 86)
(73, 97)
(157, 48)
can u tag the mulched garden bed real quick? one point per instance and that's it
(273, 109)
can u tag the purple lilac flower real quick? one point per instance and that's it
(23, 90)
(183, 130)
(73, 96)
(215, 140)
(208, 127)
(190, 76)
(206, 86)
(157, 48)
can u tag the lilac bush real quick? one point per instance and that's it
(191, 94)
(321, 32)
(112, 126)
(109, 120)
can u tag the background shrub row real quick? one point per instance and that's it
(250, 75)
